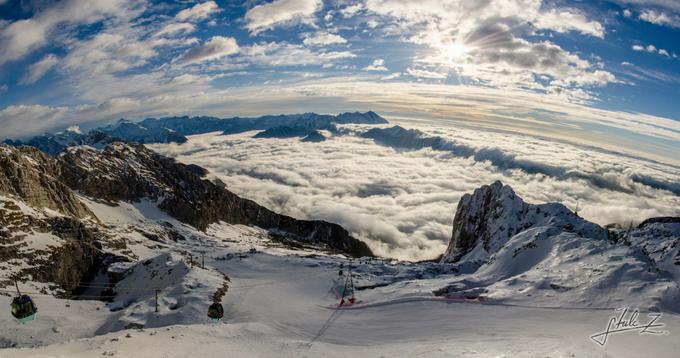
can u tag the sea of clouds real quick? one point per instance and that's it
(401, 199)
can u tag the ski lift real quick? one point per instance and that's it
(23, 307)
(348, 290)
(215, 311)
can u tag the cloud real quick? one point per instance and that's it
(173, 29)
(214, 48)
(351, 10)
(20, 37)
(651, 49)
(22, 120)
(107, 53)
(285, 54)
(401, 202)
(198, 12)
(568, 20)
(37, 70)
(481, 43)
(660, 18)
(323, 38)
(280, 13)
(377, 65)
(425, 73)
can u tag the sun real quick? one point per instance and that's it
(454, 51)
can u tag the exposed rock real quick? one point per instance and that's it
(33, 176)
(661, 220)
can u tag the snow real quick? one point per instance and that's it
(543, 294)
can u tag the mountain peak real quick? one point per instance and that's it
(489, 217)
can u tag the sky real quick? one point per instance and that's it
(604, 73)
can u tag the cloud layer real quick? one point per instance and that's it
(402, 201)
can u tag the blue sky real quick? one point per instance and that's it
(85, 62)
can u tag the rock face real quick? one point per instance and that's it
(32, 175)
(130, 172)
(487, 219)
(34, 203)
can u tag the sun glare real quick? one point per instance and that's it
(454, 51)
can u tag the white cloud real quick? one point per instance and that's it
(352, 10)
(660, 18)
(106, 53)
(198, 12)
(214, 48)
(22, 120)
(391, 76)
(377, 65)
(285, 54)
(175, 28)
(323, 38)
(627, 13)
(279, 13)
(425, 73)
(651, 49)
(567, 20)
(3, 88)
(23, 36)
(37, 70)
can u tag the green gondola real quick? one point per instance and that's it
(23, 309)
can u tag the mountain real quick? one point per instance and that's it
(135, 132)
(48, 204)
(487, 219)
(175, 129)
(314, 136)
(310, 121)
(132, 172)
(43, 224)
(54, 144)
(514, 251)
(282, 132)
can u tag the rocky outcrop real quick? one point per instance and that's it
(67, 254)
(132, 172)
(33, 176)
(488, 218)
(314, 137)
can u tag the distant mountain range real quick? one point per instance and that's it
(175, 129)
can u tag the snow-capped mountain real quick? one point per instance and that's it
(175, 129)
(487, 219)
(310, 121)
(134, 132)
(547, 254)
